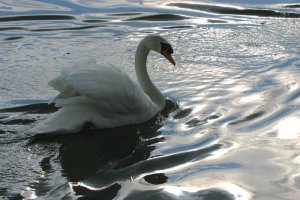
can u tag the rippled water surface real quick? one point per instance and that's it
(233, 135)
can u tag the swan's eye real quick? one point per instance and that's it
(165, 46)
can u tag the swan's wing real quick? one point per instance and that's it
(61, 84)
(110, 89)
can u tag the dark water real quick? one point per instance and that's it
(230, 131)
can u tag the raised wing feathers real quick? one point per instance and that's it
(107, 87)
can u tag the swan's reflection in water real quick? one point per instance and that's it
(101, 152)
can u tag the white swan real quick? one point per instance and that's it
(104, 95)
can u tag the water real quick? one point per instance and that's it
(235, 134)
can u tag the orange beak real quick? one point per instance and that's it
(168, 56)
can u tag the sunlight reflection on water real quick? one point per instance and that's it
(288, 128)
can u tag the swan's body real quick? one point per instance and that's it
(104, 95)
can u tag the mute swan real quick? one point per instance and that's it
(104, 95)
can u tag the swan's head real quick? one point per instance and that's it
(160, 45)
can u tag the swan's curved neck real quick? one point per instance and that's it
(143, 77)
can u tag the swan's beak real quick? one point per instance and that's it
(168, 56)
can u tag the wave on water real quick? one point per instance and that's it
(231, 133)
(235, 11)
(36, 17)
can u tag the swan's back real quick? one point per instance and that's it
(100, 94)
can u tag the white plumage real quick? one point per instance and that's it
(102, 95)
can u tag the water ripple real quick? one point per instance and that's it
(160, 17)
(107, 179)
(236, 87)
(236, 11)
(271, 119)
(36, 17)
